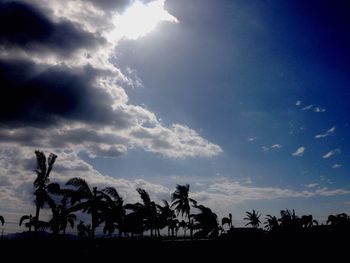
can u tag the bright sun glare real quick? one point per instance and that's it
(140, 19)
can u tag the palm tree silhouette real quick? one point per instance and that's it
(41, 182)
(92, 204)
(205, 222)
(149, 210)
(289, 221)
(181, 202)
(115, 213)
(61, 217)
(84, 231)
(307, 221)
(29, 224)
(271, 223)
(184, 226)
(167, 218)
(227, 220)
(32, 221)
(253, 218)
(2, 221)
(338, 220)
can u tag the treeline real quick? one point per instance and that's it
(108, 210)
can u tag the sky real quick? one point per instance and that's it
(246, 101)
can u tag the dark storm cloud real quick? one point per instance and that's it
(40, 96)
(23, 26)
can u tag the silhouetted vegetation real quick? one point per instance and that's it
(120, 221)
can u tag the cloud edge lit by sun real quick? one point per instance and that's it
(140, 19)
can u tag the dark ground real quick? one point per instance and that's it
(249, 246)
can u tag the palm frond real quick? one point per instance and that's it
(113, 193)
(144, 196)
(25, 217)
(79, 183)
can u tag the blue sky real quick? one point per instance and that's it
(245, 100)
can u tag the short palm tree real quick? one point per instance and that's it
(181, 202)
(271, 223)
(29, 224)
(253, 218)
(205, 222)
(43, 170)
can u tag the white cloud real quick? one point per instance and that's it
(114, 125)
(309, 107)
(337, 165)
(313, 108)
(265, 148)
(331, 153)
(318, 109)
(276, 146)
(326, 134)
(251, 139)
(299, 152)
(312, 185)
(298, 103)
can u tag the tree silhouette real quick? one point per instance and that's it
(307, 221)
(289, 221)
(167, 218)
(30, 222)
(84, 231)
(115, 214)
(271, 223)
(61, 217)
(181, 202)
(205, 222)
(2, 220)
(227, 220)
(338, 220)
(41, 182)
(92, 203)
(253, 218)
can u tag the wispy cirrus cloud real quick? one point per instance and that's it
(331, 153)
(310, 107)
(326, 134)
(299, 152)
(272, 147)
(336, 166)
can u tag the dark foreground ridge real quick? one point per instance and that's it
(318, 243)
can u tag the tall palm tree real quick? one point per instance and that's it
(115, 214)
(167, 218)
(43, 170)
(181, 202)
(253, 218)
(149, 212)
(92, 203)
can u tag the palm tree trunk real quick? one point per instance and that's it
(37, 213)
(190, 226)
